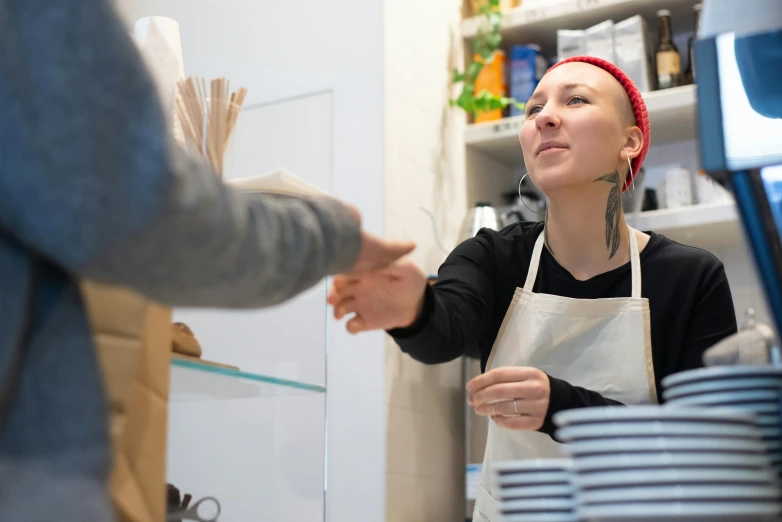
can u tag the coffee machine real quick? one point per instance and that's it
(738, 57)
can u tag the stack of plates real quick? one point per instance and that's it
(535, 490)
(649, 463)
(755, 389)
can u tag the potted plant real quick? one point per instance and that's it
(485, 45)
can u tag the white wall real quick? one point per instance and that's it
(424, 167)
(287, 49)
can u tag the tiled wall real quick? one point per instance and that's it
(424, 168)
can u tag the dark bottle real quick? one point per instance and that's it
(690, 51)
(669, 67)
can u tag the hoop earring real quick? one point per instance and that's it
(522, 199)
(630, 173)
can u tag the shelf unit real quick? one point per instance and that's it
(194, 381)
(713, 224)
(493, 153)
(538, 21)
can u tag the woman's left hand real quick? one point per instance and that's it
(515, 397)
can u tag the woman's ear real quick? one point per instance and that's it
(633, 144)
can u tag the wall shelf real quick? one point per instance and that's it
(195, 382)
(538, 22)
(671, 114)
(711, 224)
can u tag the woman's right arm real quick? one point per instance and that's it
(433, 324)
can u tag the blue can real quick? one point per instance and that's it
(528, 64)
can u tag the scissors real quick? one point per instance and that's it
(205, 510)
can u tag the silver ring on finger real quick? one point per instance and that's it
(515, 408)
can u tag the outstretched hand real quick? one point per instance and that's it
(381, 299)
(376, 252)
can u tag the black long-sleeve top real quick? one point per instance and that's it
(690, 304)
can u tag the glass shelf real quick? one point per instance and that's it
(256, 443)
(192, 381)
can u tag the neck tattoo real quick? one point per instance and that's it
(612, 213)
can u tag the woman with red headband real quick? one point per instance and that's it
(578, 311)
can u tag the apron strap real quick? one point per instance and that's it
(534, 264)
(635, 264)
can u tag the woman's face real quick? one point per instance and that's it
(576, 126)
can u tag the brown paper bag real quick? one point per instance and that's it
(133, 340)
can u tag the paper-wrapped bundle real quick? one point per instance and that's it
(133, 341)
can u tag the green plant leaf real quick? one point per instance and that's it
(473, 70)
(493, 41)
(486, 53)
(466, 101)
(485, 45)
(487, 101)
(494, 18)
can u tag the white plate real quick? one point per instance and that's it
(698, 388)
(720, 372)
(676, 460)
(541, 517)
(643, 445)
(737, 397)
(606, 479)
(768, 420)
(647, 413)
(511, 493)
(679, 493)
(552, 478)
(650, 429)
(681, 511)
(772, 446)
(769, 408)
(532, 465)
(553, 505)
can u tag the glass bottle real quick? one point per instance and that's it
(669, 68)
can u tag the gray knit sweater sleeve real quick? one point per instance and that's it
(89, 179)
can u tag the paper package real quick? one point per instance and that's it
(279, 182)
(133, 342)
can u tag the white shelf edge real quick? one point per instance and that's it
(670, 99)
(693, 216)
(525, 15)
(522, 15)
(493, 130)
(703, 226)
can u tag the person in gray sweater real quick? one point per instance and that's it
(91, 187)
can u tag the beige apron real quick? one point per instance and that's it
(603, 345)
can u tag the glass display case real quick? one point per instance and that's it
(256, 443)
(255, 437)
